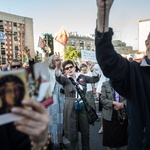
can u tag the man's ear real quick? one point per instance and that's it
(147, 43)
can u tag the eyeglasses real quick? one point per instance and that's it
(16, 66)
(70, 67)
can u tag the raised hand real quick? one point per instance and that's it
(90, 65)
(100, 4)
(27, 51)
(103, 8)
(46, 55)
(57, 61)
(34, 123)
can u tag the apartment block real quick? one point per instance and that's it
(18, 34)
(81, 42)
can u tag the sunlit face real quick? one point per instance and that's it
(70, 69)
(84, 70)
(147, 44)
(11, 93)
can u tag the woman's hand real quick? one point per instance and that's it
(35, 122)
(57, 61)
(118, 105)
(90, 65)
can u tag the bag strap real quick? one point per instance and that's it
(79, 90)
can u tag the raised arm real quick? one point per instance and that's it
(103, 10)
(113, 65)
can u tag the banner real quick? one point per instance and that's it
(87, 55)
(41, 43)
(62, 36)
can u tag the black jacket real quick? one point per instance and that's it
(131, 80)
(11, 139)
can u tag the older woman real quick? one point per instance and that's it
(114, 127)
(56, 109)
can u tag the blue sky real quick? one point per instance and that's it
(80, 15)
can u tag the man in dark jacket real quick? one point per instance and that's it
(129, 79)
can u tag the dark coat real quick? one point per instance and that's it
(132, 81)
(11, 139)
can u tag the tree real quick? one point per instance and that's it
(48, 38)
(71, 53)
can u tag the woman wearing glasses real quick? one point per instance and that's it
(74, 120)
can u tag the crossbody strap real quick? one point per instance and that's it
(79, 90)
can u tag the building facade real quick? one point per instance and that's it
(81, 42)
(121, 47)
(18, 33)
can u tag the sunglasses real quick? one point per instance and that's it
(16, 66)
(70, 67)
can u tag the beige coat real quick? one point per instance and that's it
(107, 98)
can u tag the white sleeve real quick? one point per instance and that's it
(57, 73)
(101, 80)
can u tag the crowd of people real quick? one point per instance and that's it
(120, 85)
(64, 121)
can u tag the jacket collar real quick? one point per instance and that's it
(144, 63)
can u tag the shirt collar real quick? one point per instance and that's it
(144, 62)
(76, 74)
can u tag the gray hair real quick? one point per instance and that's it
(148, 37)
(51, 61)
(83, 65)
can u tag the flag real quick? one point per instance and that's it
(62, 36)
(41, 43)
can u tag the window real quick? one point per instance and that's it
(72, 43)
(15, 24)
